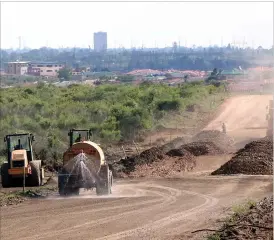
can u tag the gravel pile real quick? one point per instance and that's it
(256, 158)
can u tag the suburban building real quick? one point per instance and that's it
(16, 68)
(100, 41)
(49, 69)
(77, 76)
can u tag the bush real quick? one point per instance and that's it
(113, 112)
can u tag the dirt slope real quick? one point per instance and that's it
(241, 112)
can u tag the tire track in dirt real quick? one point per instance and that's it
(139, 193)
(166, 200)
(159, 224)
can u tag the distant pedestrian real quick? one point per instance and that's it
(224, 128)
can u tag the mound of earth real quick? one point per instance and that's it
(153, 162)
(220, 139)
(166, 167)
(197, 149)
(256, 158)
(175, 156)
(128, 164)
(174, 144)
(256, 223)
(177, 152)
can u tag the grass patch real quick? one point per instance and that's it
(16, 197)
(238, 211)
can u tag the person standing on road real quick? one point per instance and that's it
(224, 128)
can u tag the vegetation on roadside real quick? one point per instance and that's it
(19, 196)
(112, 112)
(249, 221)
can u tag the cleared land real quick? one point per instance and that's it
(166, 208)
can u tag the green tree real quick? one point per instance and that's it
(64, 73)
(126, 78)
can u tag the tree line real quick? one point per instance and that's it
(112, 112)
(126, 60)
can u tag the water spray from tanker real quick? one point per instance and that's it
(80, 168)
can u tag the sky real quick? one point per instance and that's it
(136, 24)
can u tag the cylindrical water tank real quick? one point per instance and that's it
(93, 156)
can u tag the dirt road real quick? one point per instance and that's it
(149, 208)
(244, 116)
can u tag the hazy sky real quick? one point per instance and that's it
(56, 24)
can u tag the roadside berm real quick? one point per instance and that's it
(166, 160)
(256, 158)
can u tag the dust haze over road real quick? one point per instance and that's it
(244, 116)
(151, 208)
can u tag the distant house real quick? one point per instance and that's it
(49, 69)
(16, 68)
(235, 73)
(77, 76)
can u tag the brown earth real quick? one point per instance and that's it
(200, 148)
(155, 162)
(223, 141)
(245, 118)
(255, 158)
(166, 167)
(166, 208)
(165, 160)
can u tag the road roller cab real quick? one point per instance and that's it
(20, 161)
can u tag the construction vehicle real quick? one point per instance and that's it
(84, 166)
(20, 162)
(270, 119)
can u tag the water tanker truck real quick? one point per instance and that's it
(84, 166)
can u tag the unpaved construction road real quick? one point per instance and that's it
(150, 208)
(244, 116)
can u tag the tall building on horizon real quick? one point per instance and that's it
(100, 41)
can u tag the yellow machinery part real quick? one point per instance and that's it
(92, 151)
(19, 171)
